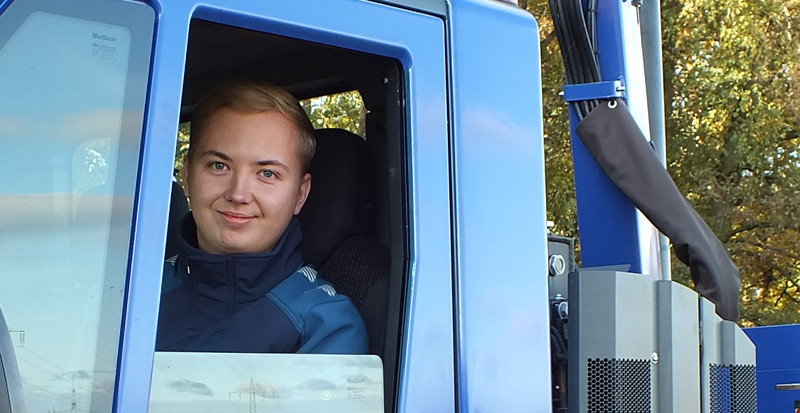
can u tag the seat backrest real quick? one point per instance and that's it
(341, 199)
(178, 208)
(336, 222)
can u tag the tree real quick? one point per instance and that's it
(343, 110)
(731, 69)
(562, 207)
(730, 74)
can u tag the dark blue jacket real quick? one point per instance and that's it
(253, 303)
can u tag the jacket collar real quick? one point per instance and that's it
(238, 278)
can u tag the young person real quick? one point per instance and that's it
(241, 282)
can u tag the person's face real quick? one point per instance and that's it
(244, 181)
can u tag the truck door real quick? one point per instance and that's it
(83, 210)
(394, 58)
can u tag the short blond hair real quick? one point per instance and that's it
(253, 96)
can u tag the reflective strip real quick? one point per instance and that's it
(328, 289)
(310, 273)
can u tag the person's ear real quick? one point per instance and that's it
(302, 194)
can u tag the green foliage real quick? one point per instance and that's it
(731, 68)
(182, 150)
(344, 110)
(730, 73)
(562, 209)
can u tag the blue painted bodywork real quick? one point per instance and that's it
(475, 334)
(427, 371)
(476, 323)
(590, 91)
(777, 362)
(499, 214)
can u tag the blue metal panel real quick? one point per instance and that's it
(606, 218)
(611, 229)
(592, 91)
(427, 377)
(777, 362)
(498, 177)
(157, 162)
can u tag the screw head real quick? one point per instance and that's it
(556, 265)
(563, 310)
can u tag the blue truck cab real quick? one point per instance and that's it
(432, 218)
(92, 93)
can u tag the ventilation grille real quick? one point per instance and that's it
(732, 388)
(619, 386)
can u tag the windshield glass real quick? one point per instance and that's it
(238, 382)
(70, 122)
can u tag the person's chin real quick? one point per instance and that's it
(241, 246)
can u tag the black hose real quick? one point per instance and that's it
(556, 335)
(576, 30)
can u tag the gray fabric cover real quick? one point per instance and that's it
(616, 143)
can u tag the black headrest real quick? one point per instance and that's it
(178, 207)
(341, 199)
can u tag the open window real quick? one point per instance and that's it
(354, 222)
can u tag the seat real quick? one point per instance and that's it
(336, 222)
(178, 208)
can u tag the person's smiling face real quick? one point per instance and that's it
(245, 181)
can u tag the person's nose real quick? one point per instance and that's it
(239, 189)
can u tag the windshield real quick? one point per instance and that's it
(71, 134)
(236, 382)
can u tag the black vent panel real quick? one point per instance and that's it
(732, 388)
(619, 386)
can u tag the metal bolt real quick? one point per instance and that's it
(557, 265)
(563, 310)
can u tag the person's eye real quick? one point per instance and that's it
(267, 173)
(218, 166)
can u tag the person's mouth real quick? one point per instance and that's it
(235, 218)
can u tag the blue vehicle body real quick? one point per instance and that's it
(778, 366)
(474, 334)
(312, 22)
(468, 233)
(428, 379)
(612, 231)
